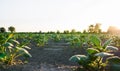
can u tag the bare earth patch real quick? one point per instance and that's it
(53, 57)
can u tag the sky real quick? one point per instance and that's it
(53, 15)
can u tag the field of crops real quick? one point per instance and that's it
(59, 52)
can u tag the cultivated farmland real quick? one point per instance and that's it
(59, 52)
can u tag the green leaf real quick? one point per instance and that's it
(103, 54)
(24, 51)
(112, 48)
(2, 55)
(26, 47)
(92, 51)
(95, 40)
(15, 41)
(7, 44)
(10, 47)
(114, 59)
(78, 58)
(10, 36)
(27, 55)
(107, 43)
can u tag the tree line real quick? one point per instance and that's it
(11, 29)
(91, 29)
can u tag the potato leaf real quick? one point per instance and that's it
(7, 44)
(103, 54)
(114, 59)
(15, 41)
(10, 36)
(2, 55)
(95, 40)
(112, 48)
(107, 43)
(24, 51)
(26, 47)
(92, 51)
(78, 58)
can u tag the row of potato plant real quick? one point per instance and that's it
(75, 40)
(94, 59)
(11, 49)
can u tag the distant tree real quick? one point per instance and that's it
(40, 32)
(51, 32)
(73, 31)
(97, 28)
(91, 28)
(78, 32)
(84, 31)
(100, 31)
(66, 32)
(11, 29)
(58, 32)
(2, 30)
(47, 32)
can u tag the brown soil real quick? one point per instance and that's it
(54, 56)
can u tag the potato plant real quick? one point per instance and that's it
(77, 40)
(56, 37)
(116, 41)
(11, 50)
(40, 39)
(93, 60)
